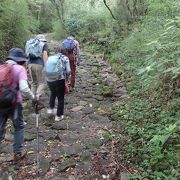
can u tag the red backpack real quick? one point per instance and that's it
(7, 93)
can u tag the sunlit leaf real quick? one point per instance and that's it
(152, 42)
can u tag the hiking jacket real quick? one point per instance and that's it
(75, 55)
(20, 81)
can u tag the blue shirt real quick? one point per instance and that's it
(36, 60)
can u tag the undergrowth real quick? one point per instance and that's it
(149, 67)
(151, 116)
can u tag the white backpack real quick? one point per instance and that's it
(55, 67)
(34, 48)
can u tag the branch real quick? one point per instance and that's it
(109, 9)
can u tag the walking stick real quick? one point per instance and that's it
(38, 106)
(37, 128)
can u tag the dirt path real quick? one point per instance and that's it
(77, 147)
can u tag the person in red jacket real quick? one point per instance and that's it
(74, 59)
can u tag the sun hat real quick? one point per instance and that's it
(41, 37)
(17, 55)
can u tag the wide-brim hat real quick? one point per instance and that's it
(17, 55)
(41, 37)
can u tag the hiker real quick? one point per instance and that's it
(73, 54)
(13, 109)
(57, 70)
(37, 51)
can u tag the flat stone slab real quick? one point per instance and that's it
(94, 143)
(77, 108)
(85, 155)
(88, 110)
(99, 118)
(71, 150)
(82, 103)
(69, 138)
(29, 136)
(6, 158)
(67, 164)
(7, 149)
(83, 167)
(61, 125)
(44, 166)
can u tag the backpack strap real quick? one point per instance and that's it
(60, 62)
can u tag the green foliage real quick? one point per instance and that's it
(107, 91)
(94, 23)
(14, 25)
(163, 64)
(58, 30)
(128, 12)
(46, 18)
(42, 13)
(86, 27)
(73, 25)
(163, 9)
(82, 20)
(151, 134)
(144, 51)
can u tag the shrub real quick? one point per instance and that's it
(14, 25)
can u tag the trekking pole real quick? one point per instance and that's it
(37, 128)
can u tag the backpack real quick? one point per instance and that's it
(69, 45)
(55, 67)
(34, 48)
(7, 93)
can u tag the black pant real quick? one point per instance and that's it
(57, 89)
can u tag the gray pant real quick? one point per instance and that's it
(37, 78)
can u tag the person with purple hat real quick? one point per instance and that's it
(17, 58)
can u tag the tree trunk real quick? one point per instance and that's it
(109, 9)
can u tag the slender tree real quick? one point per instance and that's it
(105, 3)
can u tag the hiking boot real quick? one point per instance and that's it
(19, 156)
(57, 118)
(51, 111)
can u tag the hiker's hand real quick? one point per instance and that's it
(78, 63)
(34, 101)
